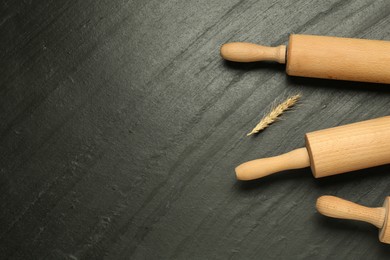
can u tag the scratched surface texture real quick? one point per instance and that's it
(120, 127)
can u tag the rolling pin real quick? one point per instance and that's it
(339, 208)
(321, 57)
(330, 151)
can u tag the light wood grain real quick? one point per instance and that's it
(321, 57)
(330, 151)
(338, 58)
(350, 147)
(259, 168)
(339, 208)
(335, 207)
(249, 52)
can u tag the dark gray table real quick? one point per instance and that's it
(120, 127)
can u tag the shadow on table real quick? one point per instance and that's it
(338, 84)
(308, 82)
(376, 174)
(361, 231)
(274, 179)
(250, 66)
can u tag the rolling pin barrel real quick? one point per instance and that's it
(349, 147)
(338, 58)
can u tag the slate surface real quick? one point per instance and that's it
(120, 127)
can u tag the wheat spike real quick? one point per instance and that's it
(275, 113)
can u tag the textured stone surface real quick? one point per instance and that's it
(120, 127)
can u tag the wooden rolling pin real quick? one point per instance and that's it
(321, 57)
(338, 208)
(330, 151)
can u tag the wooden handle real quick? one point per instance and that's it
(339, 208)
(249, 52)
(255, 169)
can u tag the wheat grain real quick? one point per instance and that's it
(275, 113)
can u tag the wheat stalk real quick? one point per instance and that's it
(275, 113)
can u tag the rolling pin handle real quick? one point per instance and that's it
(339, 208)
(249, 52)
(259, 168)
